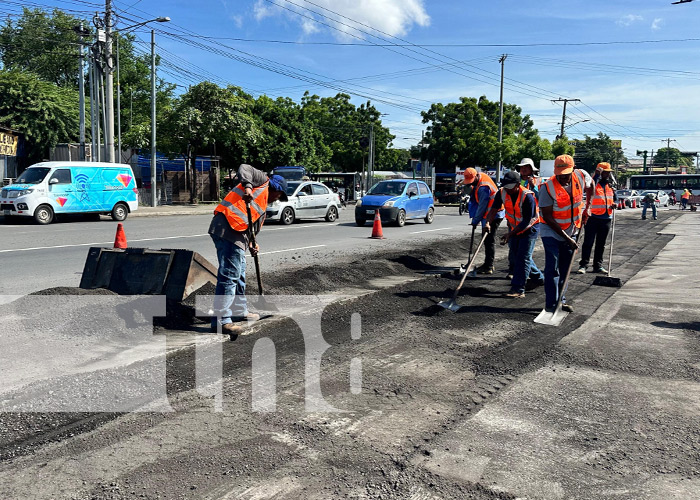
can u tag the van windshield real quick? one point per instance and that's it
(33, 175)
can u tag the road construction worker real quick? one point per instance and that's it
(230, 232)
(684, 200)
(483, 192)
(599, 213)
(649, 200)
(563, 214)
(523, 219)
(528, 172)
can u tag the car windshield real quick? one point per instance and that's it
(291, 187)
(33, 175)
(387, 188)
(624, 192)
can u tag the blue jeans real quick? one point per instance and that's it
(644, 210)
(230, 300)
(524, 267)
(557, 255)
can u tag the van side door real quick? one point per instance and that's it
(61, 192)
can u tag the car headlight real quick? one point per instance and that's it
(389, 203)
(25, 192)
(359, 203)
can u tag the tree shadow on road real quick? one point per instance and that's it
(692, 326)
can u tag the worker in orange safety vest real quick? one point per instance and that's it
(230, 232)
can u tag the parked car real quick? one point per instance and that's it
(662, 198)
(53, 188)
(627, 195)
(307, 200)
(397, 201)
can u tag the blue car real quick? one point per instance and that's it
(397, 200)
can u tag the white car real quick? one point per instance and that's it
(661, 197)
(307, 200)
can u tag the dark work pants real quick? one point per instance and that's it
(596, 230)
(490, 243)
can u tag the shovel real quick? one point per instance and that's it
(556, 318)
(608, 280)
(262, 303)
(452, 303)
(471, 246)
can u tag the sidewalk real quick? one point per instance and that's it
(160, 210)
(615, 413)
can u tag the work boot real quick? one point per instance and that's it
(567, 308)
(581, 270)
(249, 317)
(514, 294)
(509, 276)
(229, 329)
(600, 270)
(484, 269)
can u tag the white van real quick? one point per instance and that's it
(71, 187)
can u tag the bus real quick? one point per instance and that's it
(295, 173)
(662, 182)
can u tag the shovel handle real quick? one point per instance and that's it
(251, 235)
(568, 272)
(469, 267)
(612, 241)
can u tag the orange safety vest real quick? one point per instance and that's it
(486, 180)
(233, 206)
(685, 195)
(602, 199)
(514, 212)
(567, 208)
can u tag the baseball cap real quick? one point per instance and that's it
(527, 161)
(510, 180)
(469, 175)
(563, 164)
(279, 183)
(604, 166)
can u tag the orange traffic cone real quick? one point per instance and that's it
(120, 238)
(634, 203)
(377, 227)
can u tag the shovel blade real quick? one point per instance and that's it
(450, 305)
(551, 319)
(607, 281)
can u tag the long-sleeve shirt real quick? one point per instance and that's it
(528, 211)
(597, 179)
(481, 208)
(249, 177)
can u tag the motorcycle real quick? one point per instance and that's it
(672, 199)
(463, 204)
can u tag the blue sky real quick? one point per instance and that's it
(640, 93)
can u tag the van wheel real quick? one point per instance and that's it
(119, 212)
(43, 214)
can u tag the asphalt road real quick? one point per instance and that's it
(35, 257)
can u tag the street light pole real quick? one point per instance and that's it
(154, 201)
(502, 60)
(81, 89)
(109, 85)
(119, 111)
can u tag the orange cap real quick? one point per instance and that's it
(563, 164)
(604, 166)
(469, 175)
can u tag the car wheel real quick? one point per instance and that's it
(360, 222)
(287, 216)
(332, 214)
(43, 214)
(430, 216)
(401, 218)
(119, 212)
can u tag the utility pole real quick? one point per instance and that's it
(119, 111)
(81, 89)
(154, 200)
(502, 60)
(643, 154)
(370, 159)
(651, 163)
(109, 85)
(563, 115)
(668, 152)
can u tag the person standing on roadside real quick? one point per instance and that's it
(563, 214)
(684, 200)
(599, 221)
(523, 219)
(528, 172)
(483, 192)
(230, 233)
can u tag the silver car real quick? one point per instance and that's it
(307, 200)
(661, 197)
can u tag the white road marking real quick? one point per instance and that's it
(431, 230)
(291, 249)
(100, 243)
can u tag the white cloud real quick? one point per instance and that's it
(656, 25)
(395, 17)
(237, 21)
(629, 19)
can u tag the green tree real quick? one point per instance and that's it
(594, 150)
(671, 157)
(465, 134)
(42, 43)
(207, 117)
(561, 147)
(394, 159)
(43, 112)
